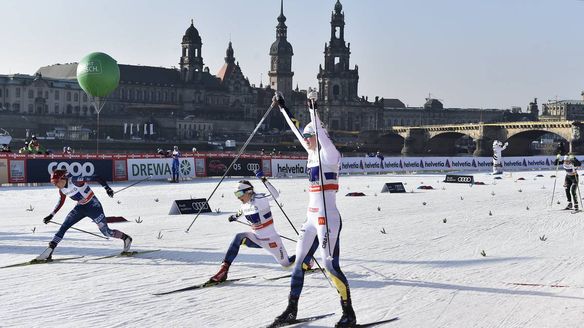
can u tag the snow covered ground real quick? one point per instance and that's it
(427, 269)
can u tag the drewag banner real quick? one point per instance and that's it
(159, 168)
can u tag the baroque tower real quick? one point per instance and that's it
(336, 81)
(191, 60)
(281, 58)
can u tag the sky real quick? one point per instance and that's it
(467, 53)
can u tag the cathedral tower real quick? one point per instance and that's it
(191, 60)
(281, 58)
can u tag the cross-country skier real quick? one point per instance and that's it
(87, 205)
(570, 164)
(256, 209)
(319, 219)
(498, 147)
(175, 164)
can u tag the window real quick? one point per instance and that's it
(30, 108)
(68, 97)
(336, 90)
(17, 92)
(30, 94)
(0, 92)
(46, 95)
(76, 97)
(56, 108)
(69, 107)
(40, 93)
(85, 97)
(165, 96)
(56, 94)
(337, 34)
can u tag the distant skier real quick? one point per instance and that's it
(175, 164)
(87, 205)
(571, 165)
(498, 147)
(256, 209)
(323, 222)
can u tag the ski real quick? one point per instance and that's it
(376, 323)
(31, 262)
(575, 211)
(299, 321)
(206, 284)
(290, 275)
(124, 254)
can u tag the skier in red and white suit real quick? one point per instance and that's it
(314, 233)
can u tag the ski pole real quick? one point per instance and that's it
(312, 102)
(249, 225)
(233, 162)
(133, 184)
(91, 233)
(555, 179)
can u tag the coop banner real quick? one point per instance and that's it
(39, 170)
(288, 167)
(159, 168)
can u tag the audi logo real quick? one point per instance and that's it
(199, 205)
(464, 179)
(75, 168)
(253, 166)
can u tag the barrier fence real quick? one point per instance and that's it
(20, 168)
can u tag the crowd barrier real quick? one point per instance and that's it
(19, 168)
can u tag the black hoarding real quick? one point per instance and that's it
(39, 170)
(216, 166)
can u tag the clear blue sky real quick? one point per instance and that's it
(469, 53)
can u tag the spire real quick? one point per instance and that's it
(229, 58)
(338, 7)
(281, 29)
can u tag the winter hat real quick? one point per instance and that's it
(309, 129)
(244, 185)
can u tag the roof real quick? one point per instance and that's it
(128, 73)
(191, 35)
(392, 103)
(281, 46)
(226, 71)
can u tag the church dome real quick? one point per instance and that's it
(281, 47)
(432, 103)
(191, 35)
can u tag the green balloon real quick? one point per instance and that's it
(98, 74)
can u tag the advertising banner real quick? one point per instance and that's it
(17, 171)
(120, 170)
(3, 170)
(216, 166)
(39, 170)
(282, 167)
(159, 168)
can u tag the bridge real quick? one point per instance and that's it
(441, 139)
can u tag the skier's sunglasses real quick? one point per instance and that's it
(307, 135)
(240, 193)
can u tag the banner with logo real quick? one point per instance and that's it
(282, 167)
(3, 170)
(39, 170)
(216, 166)
(120, 170)
(17, 171)
(159, 168)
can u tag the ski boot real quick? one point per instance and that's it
(127, 243)
(289, 315)
(222, 274)
(308, 266)
(348, 319)
(576, 208)
(47, 255)
(568, 207)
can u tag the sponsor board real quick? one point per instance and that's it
(120, 170)
(216, 166)
(3, 170)
(159, 168)
(39, 170)
(289, 167)
(189, 206)
(17, 171)
(455, 178)
(393, 187)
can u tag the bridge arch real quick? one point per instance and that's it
(449, 143)
(392, 143)
(520, 143)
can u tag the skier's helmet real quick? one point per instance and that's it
(58, 175)
(175, 147)
(308, 130)
(243, 186)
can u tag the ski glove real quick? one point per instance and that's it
(279, 99)
(48, 218)
(232, 218)
(109, 192)
(259, 173)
